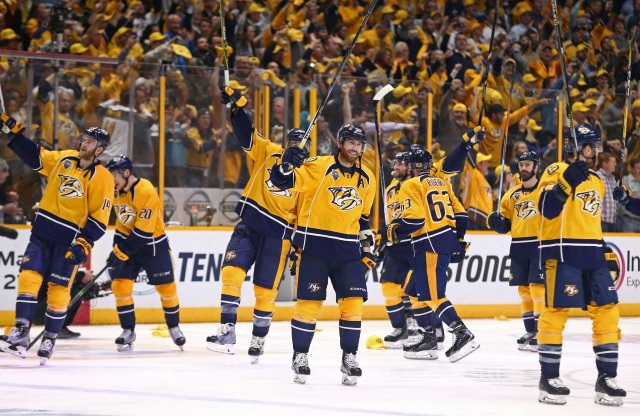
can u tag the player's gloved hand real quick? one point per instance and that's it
(117, 257)
(498, 223)
(390, 234)
(293, 157)
(575, 174)
(369, 260)
(458, 256)
(380, 243)
(10, 126)
(621, 194)
(612, 263)
(293, 263)
(78, 251)
(473, 136)
(233, 97)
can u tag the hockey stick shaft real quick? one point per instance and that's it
(626, 106)
(506, 138)
(487, 63)
(382, 181)
(1, 100)
(337, 75)
(223, 31)
(75, 299)
(565, 80)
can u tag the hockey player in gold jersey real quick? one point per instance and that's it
(72, 215)
(261, 237)
(140, 244)
(576, 270)
(333, 241)
(519, 214)
(436, 221)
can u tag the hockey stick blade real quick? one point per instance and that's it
(383, 91)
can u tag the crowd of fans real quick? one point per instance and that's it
(437, 47)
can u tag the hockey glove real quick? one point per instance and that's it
(10, 126)
(293, 157)
(575, 174)
(233, 97)
(473, 137)
(498, 223)
(458, 256)
(390, 234)
(293, 263)
(380, 244)
(612, 263)
(78, 251)
(117, 257)
(621, 194)
(369, 260)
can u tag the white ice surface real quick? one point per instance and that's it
(87, 376)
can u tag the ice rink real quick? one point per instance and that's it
(87, 376)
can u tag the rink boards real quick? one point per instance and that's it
(478, 286)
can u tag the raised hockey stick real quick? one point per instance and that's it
(626, 105)
(73, 301)
(376, 99)
(223, 31)
(565, 81)
(337, 75)
(485, 81)
(506, 136)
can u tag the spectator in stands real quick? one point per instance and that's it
(626, 221)
(606, 167)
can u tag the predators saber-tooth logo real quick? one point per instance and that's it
(525, 209)
(396, 209)
(70, 187)
(571, 290)
(345, 197)
(125, 213)
(274, 190)
(230, 255)
(314, 287)
(592, 202)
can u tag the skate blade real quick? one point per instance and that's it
(533, 348)
(43, 360)
(16, 351)
(221, 348)
(124, 347)
(523, 347)
(421, 355)
(604, 399)
(300, 378)
(180, 346)
(547, 398)
(396, 345)
(466, 350)
(349, 380)
(255, 359)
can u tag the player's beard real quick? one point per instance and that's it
(348, 157)
(526, 175)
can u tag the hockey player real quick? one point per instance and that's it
(398, 258)
(73, 214)
(436, 221)
(576, 272)
(140, 244)
(624, 198)
(260, 238)
(519, 214)
(333, 241)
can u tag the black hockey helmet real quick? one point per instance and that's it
(403, 157)
(101, 136)
(119, 163)
(585, 136)
(420, 158)
(532, 156)
(349, 131)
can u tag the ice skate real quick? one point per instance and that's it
(224, 341)
(552, 391)
(177, 336)
(125, 341)
(350, 369)
(46, 349)
(256, 348)
(608, 393)
(533, 343)
(16, 342)
(525, 341)
(412, 331)
(300, 366)
(425, 348)
(439, 330)
(463, 343)
(396, 337)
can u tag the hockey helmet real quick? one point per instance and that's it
(420, 158)
(296, 135)
(101, 136)
(403, 157)
(532, 156)
(349, 131)
(585, 136)
(119, 163)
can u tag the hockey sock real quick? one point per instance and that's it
(530, 323)
(302, 335)
(526, 308)
(261, 323)
(53, 321)
(408, 310)
(172, 315)
(25, 307)
(349, 335)
(607, 359)
(423, 315)
(445, 311)
(232, 278)
(537, 294)
(394, 303)
(229, 309)
(396, 315)
(127, 316)
(549, 356)
(170, 303)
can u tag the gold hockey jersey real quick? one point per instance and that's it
(520, 206)
(139, 215)
(572, 232)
